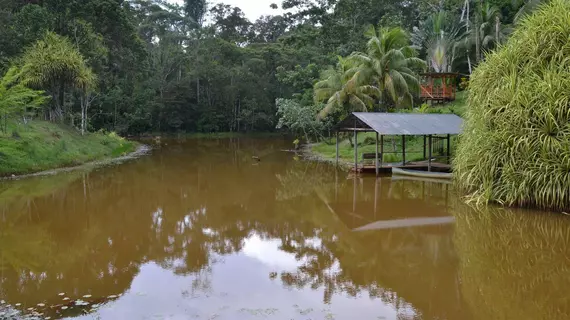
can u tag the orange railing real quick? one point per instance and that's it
(445, 92)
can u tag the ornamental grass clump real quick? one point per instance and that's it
(515, 149)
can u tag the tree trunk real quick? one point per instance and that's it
(477, 43)
(85, 101)
(238, 112)
(465, 15)
(497, 28)
(198, 89)
(478, 32)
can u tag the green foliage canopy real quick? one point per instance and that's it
(15, 98)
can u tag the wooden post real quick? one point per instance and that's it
(446, 197)
(375, 195)
(403, 150)
(376, 157)
(444, 85)
(355, 148)
(429, 159)
(425, 146)
(337, 148)
(354, 194)
(448, 149)
(336, 185)
(381, 151)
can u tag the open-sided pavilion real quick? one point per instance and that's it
(430, 126)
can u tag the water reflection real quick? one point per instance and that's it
(199, 230)
(514, 264)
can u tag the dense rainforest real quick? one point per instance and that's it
(143, 66)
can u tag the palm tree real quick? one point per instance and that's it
(488, 32)
(524, 7)
(53, 63)
(442, 38)
(491, 32)
(389, 64)
(343, 90)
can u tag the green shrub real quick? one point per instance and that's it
(368, 141)
(515, 149)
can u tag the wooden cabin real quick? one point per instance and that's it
(438, 87)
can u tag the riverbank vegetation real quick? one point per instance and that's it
(42, 145)
(146, 66)
(515, 149)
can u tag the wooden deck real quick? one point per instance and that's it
(418, 165)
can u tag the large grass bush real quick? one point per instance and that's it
(515, 149)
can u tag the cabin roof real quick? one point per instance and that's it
(402, 123)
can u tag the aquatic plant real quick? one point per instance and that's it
(515, 149)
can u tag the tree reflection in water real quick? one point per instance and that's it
(194, 203)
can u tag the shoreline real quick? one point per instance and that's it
(140, 151)
(309, 154)
(211, 135)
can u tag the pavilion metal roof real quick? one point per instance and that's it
(402, 123)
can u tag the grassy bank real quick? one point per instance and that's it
(367, 144)
(392, 144)
(458, 106)
(40, 146)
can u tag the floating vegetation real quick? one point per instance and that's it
(81, 303)
(303, 312)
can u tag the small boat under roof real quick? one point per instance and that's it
(422, 174)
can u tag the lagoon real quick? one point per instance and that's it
(200, 230)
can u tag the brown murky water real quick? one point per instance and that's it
(198, 230)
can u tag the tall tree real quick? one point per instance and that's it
(196, 10)
(343, 90)
(390, 63)
(492, 32)
(54, 64)
(442, 39)
(230, 23)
